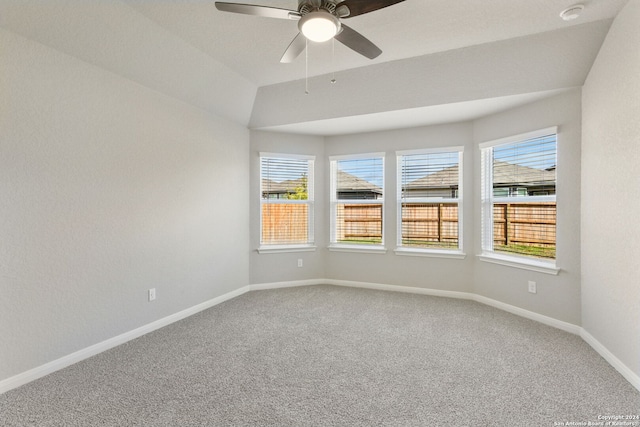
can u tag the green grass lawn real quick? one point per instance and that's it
(362, 241)
(536, 251)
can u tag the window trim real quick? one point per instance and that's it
(302, 247)
(487, 200)
(333, 202)
(436, 252)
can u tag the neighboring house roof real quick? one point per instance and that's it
(446, 178)
(503, 173)
(509, 173)
(353, 184)
(274, 187)
(347, 183)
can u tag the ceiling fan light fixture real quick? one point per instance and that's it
(319, 26)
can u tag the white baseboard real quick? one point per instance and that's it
(568, 327)
(546, 320)
(290, 284)
(85, 353)
(617, 364)
(394, 288)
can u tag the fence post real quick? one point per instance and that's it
(506, 224)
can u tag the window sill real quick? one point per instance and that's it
(358, 248)
(430, 253)
(280, 249)
(520, 262)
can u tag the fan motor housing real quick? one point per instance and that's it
(307, 6)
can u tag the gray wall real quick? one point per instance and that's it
(108, 188)
(389, 268)
(283, 267)
(611, 192)
(557, 296)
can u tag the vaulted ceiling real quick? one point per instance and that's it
(442, 60)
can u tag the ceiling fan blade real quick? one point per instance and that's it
(356, 41)
(252, 9)
(296, 47)
(360, 7)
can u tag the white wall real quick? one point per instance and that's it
(283, 267)
(108, 188)
(389, 268)
(557, 296)
(611, 192)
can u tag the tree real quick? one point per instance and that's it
(300, 191)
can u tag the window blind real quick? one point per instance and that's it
(286, 191)
(429, 188)
(358, 200)
(520, 208)
(526, 168)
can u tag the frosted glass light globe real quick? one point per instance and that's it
(319, 26)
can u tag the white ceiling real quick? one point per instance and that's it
(413, 117)
(252, 46)
(225, 63)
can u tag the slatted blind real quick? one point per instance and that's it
(522, 204)
(429, 195)
(526, 168)
(286, 188)
(358, 200)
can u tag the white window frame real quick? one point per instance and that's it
(347, 247)
(305, 247)
(439, 252)
(488, 200)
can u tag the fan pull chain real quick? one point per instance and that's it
(306, 66)
(333, 61)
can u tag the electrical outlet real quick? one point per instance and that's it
(532, 287)
(299, 262)
(152, 294)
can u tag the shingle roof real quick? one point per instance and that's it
(503, 173)
(274, 187)
(351, 183)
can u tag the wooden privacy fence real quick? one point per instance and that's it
(421, 222)
(284, 223)
(429, 222)
(529, 224)
(359, 222)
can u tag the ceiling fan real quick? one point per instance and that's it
(319, 21)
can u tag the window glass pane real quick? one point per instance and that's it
(525, 228)
(286, 200)
(358, 201)
(525, 168)
(359, 223)
(285, 224)
(430, 175)
(285, 178)
(430, 225)
(523, 224)
(425, 176)
(359, 179)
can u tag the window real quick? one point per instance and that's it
(286, 201)
(429, 201)
(357, 202)
(519, 197)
